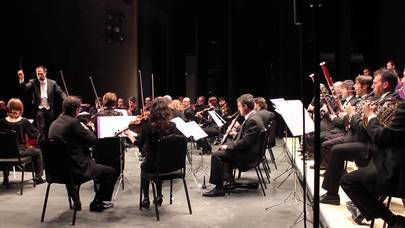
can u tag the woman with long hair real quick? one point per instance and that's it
(159, 125)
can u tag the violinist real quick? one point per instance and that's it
(23, 128)
(200, 104)
(133, 109)
(188, 109)
(148, 103)
(121, 103)
(225, 110)
(177, 109)
(158, 126)
(261, 110)
(109, 103)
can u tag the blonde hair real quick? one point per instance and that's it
(110, 99)
(176, 104)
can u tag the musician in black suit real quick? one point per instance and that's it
(261, 109)
(242, 153)
(45, 92)
(80, 139)
(385, 174)
(188, 109)
(362, 148)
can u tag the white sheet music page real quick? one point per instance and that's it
(189, 129)
(107, 126)
(214, 116)
(291, 111)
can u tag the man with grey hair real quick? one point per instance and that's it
(188, 109)
(241, 153)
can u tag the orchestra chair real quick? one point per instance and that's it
(10, 156)
(262, 136)
(382, 199)
(272, 140)
(171, 164)
(58, 170)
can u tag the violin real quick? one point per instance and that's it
(136, 125)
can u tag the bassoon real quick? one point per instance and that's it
(330, 85)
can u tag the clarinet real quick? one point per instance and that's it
(229, 130)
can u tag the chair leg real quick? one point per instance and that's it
(171, 191)
(239, 175)
(22, 180)
(372, 223)
(273, 159)
(266, 170)
(261, 175)
(260, 181)
(388, 206)
(188, 198)
(45, 202)
(33, 175)
(155, 201)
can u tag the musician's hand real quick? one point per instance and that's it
(223, 147)
(310, 108)
(368, 110)
(331, 117)
(20, 74)
(350, 110)
(131, 135)
(342, 114)
(233, 133)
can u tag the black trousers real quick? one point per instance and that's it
(354, 151)
(147, 167)
(363, 196)
(36, 155)
(105, 178)
(43, 120)
(332, 140)
(221, 167)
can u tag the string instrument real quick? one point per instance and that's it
(64, 83)
(200, 113)
(31, 142)
(330, 85)
(136, 125)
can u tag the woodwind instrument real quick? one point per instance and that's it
(229, 129)
(330, 84)
(64, 83)
(325, 101)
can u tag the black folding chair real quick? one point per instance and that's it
(171, 164)
(10, 155)
(58, 170)
(272, 140)
(262, 137)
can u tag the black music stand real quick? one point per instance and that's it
(109, 151)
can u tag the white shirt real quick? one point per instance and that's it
(44, 94)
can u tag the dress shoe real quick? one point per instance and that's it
(399, 222)
(159, 200)
(322, 167)
(214, 193)
(356, 214)
(145, 203)
(330, 199)
(99, 206)
(39, 180)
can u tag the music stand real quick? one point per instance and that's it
(288, 110)
(193, 132)
(109, 145)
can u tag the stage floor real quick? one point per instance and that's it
(333, 216)
(240, 209)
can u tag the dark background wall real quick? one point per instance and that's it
(225, 47)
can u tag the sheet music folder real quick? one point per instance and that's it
(189, 129)
(291, 111)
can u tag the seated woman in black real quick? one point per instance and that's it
(158, 126)
(23, 128)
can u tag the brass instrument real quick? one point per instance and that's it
(385, 111)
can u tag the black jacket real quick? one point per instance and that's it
(246, 147)
(266, 116)
(79, 140)
(53, 90)
(386, 171)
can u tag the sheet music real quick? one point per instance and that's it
(123, 111)
(214, 116)
(107, 126)
(189, 129)
(291, 111)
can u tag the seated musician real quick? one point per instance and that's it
(109, 103)
(80, 139)
(188, 109)
(177, 109)
(261, 109)
(14, 121)
(133, 109)
(385, 174)
(240, 153)
(158, 126)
